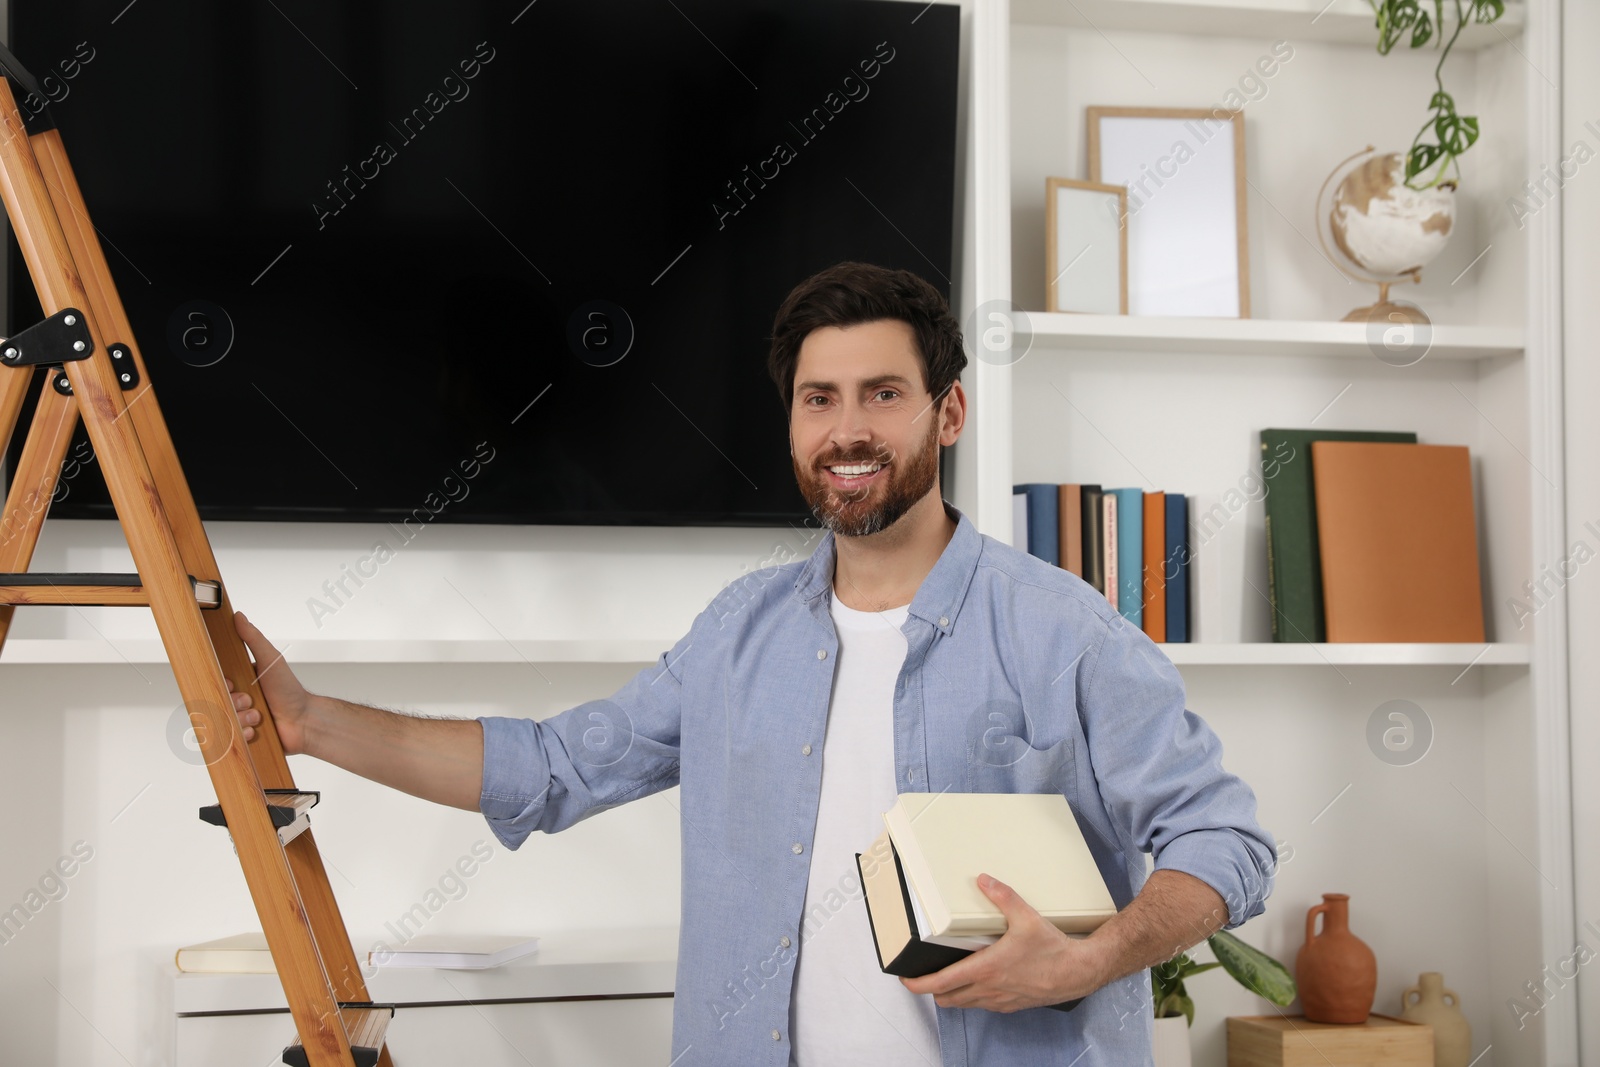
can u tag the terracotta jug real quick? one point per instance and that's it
(1430, 1002)
(1336, 971)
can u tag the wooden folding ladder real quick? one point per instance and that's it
(93, 369)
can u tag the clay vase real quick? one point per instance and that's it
(1430, 1002)
(1336, 971)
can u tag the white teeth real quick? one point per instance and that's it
(856, 468)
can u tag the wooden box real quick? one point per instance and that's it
(1292, 1041)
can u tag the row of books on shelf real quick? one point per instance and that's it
(1132, 545)
(1370, 536)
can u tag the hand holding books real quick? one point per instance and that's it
(1032, 965)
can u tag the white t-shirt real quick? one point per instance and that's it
(845, 1009)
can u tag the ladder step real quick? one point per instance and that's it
(93, 590)
(287, 807)
(364, 1024)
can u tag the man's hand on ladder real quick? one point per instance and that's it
(434, 758)
(287, 698)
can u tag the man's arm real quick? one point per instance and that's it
(1034, 964)
(436, 759)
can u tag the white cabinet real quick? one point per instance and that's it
(598, 997)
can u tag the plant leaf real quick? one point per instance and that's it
(1187, 1007)
(1420, 158)
(1422, 32)
(1487, 11)
(1456, 134)
(1395, 17)
(1170, 1006)
(1253, 969)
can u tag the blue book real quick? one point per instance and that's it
(1044, 520)
(1130, 554)
(1176, 567)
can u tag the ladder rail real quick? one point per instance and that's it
(195, 657)
(106, 309)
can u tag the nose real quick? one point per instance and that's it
(852, 427)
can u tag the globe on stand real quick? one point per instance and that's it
(1376, 229)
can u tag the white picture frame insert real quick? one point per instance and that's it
(1184, 169)
(1086, 247)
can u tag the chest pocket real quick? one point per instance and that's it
(1008, 752)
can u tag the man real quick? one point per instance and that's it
(909, 653)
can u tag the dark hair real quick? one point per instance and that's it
(848, 294)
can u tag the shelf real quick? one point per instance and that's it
(1255, 337)
(569, 964)
(642, 651)
(620, 650)
(1347, 655)
(1339, 22)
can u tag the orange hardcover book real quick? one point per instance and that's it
(1155, 571)
(1071, 512)
(1399, 543)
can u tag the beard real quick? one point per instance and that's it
(875, 507)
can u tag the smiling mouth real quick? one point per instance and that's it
(854, 475)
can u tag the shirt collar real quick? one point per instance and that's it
(941, 593)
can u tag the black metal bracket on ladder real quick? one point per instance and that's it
(61, 338)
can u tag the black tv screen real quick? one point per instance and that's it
(366, 247)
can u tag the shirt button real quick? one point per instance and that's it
(783, 941)
(911, 775)
(797, 848)
(805, 750)
(776, 1036)
(822, 653)
(944, 620)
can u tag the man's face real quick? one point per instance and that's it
(863, 430)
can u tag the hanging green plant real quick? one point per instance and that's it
(1453, 133)
(1249, 966)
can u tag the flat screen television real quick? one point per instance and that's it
(365, 245)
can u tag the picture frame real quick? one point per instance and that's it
(1188, 232)
(1086, 247)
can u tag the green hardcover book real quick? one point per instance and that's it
(1294, 571)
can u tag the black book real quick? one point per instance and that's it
(901, 949)
(1094, 548)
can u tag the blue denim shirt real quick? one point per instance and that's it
(1018, 677)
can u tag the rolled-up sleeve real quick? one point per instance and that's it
(1159, 769)
(549, 774)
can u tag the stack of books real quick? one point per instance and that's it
(920, 877)
(1370, 537)
(1130, 544)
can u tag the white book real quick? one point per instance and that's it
(239, 954)
(460, 951)
(1029, 841)
(1108, 534)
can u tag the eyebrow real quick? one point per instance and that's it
(867, 383)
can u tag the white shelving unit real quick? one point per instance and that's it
(1473, 837)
